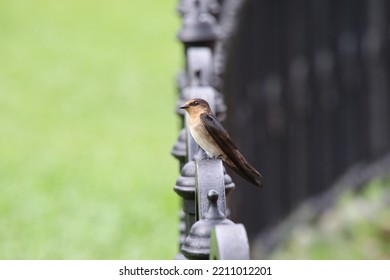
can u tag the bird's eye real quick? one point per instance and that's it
(195, 103)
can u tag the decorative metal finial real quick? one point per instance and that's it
(185, 187)
(211, 6)
(179, 150)
(197, 243)
(198, 26)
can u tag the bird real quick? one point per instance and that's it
(212, 137)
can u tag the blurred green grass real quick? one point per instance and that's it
(86, 127)
(356, 227)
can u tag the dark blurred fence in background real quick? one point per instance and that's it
(307, 90)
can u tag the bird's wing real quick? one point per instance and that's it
(238, 162)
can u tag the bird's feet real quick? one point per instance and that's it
(218, 157)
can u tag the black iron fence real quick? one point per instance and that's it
(206, 232)
(307, 87)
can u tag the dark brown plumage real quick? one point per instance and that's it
(214, 139)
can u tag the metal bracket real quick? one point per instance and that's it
(229, 242)
(209, 176)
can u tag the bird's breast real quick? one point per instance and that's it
(204, 139)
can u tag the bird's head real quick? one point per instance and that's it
(196, 106)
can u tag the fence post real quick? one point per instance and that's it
(203, 184)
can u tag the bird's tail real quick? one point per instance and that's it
(247, 171)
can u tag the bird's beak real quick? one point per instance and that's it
(185, 106)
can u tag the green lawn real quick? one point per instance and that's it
(87, 123)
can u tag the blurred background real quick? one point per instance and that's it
(307, 89)
(86, 127)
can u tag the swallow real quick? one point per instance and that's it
(210, 135)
